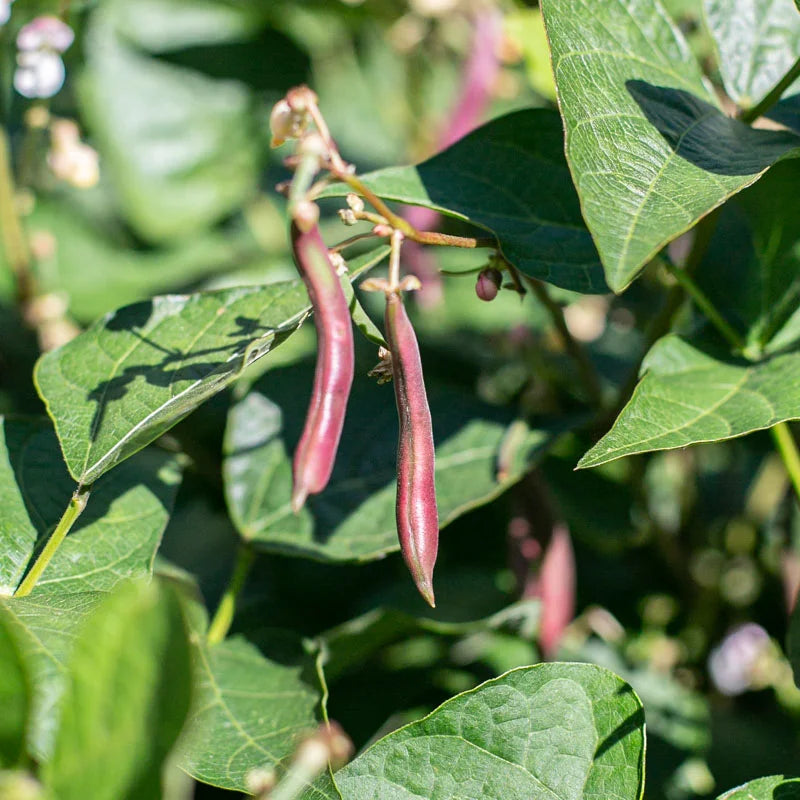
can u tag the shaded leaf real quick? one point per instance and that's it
(776, 787)
(565, 731)
(249, 712)
(126, 696)
(751, 270)
(509, 177)
(15, 695)
(354, 518)
(793, 643)
(758, 40)
(181, 148)
(45, 629)
(115, 538)
(649, 148)
(687, 396)
(137, 371)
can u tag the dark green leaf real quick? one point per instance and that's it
(560, 731)
(509, 177)
(15, 695)
(250, 712)
(126, 696)
(751, 270)
(793, 643)
(45, 629)
(181, 148)
(139, 370)
(687, 396)
(649, 148)
(758, 41)
(354, 518)
(776, 787)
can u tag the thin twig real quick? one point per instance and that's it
(759, 109)
(223, 616)
(787, 448)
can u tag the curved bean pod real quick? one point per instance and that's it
(316, 452)
(417, 515)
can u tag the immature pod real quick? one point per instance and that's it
(417, 516)
(316, 452)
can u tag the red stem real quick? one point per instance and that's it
(417, 515)
(333, 377)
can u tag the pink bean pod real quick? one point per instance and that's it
(417, 515)
(333, 377)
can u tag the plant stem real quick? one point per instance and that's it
(586, 368)
(223, 617)
(75, 508)
(787, 447)
(759, 109)
(15, 244)
(706, 306)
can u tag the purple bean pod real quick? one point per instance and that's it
(417, 515)
(333, 377)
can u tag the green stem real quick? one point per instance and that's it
(223, 617)
(75, 508)
(787, 447)
(706, 306)
(15, 245)
(758, 110)
(577, 353)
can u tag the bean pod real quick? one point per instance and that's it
(333, 377)
(417, 515)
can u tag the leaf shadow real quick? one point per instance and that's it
(701, 134)
(632, 723)
(788, 790)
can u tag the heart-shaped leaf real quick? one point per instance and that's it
(249, 711)
(125, 699)
(136, 372)
(758, 41)
(15, 695)
(560, 731)
(687, 396)
(354, 518)
(509, 177)
(649, 148)
(776, 787)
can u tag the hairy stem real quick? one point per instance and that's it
(577, 353)
(759, 109)
(75, 508)
(223, 616)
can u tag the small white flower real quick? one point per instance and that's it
(39, 73)
(5, 11)
(45, 33)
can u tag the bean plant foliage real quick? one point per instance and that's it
(397, 399)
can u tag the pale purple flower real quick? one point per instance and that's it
(45, 33)
(40, 70)
(732, 662)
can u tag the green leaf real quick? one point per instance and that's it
(649, 148)
(688, 396)
(136, 372)
(45, 629)
(126, 697)
(758, 41)
(116, 537)
(776, 787)
(354, 518)
(751, 269)
(565, 731)
(181, 148)
(509, 177)
(250, 711)
(15, 695)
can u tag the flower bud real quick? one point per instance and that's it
(306, 215)
(488, 283)
(355, 202)
(281, 123)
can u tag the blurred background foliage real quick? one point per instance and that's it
(685, 559)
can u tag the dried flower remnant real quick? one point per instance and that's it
(71, 159)
(40, 70)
